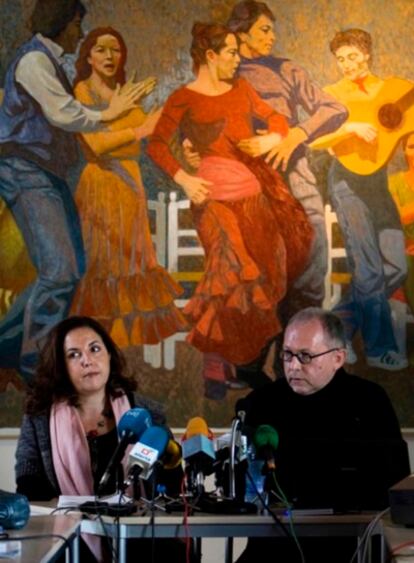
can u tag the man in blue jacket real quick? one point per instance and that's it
(38, 117)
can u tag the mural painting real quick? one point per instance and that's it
(248, 160)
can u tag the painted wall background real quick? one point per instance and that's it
(157, 33)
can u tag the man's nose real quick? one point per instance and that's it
(295, 363)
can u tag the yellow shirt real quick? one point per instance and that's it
(346, 90)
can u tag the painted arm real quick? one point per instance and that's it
(195, 188)
(37, 75)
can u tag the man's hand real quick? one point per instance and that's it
(364, 131)
(259, 144)
(127, 98)
(282, 152)
(195, 188)
(191, 156)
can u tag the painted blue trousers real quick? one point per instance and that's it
(44, 210)
(374, 244)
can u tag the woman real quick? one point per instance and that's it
(255, 235)
(68, 433)
(401, 186)
(124, 287)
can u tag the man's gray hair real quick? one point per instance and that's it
(331, 324)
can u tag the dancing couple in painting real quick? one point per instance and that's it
(243, 165)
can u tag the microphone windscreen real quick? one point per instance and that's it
(173, 455)
(133, 423)
(147, 451)
(155, 437)
(196, 425)
(266, 435)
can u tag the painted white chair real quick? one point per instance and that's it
(334, 279)
(183, 242)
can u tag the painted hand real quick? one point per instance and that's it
(195, 188)
(281, 153)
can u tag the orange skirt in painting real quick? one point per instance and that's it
(124, 287)
(256, 246)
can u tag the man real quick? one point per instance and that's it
(288, 89)
(366, 213)
(331, 425)
(37, 119)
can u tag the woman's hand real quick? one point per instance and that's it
(145, 86)
(147, 128)
(196, 188)
(126, 98)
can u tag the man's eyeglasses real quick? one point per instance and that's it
(303, 357)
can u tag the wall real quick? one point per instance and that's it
(158, 34)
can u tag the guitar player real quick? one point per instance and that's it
(366, 213)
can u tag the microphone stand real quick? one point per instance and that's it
(236, 424)
(231, 505)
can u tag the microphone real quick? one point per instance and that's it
(131, 425)
(173, 455)
(266, 441)
(198, 452)
(147, 452)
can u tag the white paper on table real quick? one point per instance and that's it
(69, 501)
(10, 549)
(36, 510)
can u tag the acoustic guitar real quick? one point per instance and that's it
(391, 112)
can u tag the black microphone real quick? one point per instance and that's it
(130, 427)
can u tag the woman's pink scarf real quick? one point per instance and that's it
(70, 453)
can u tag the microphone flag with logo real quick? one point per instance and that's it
(130, 427)
(147, 452)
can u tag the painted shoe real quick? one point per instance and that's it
(388, 360)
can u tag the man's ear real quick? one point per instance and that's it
(242, 36)
(339, 357)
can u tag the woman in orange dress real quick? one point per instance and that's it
(255, 235)
(124, 286)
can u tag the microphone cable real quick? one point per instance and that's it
(185, 519)
(288, 533)
(281, 495)
(365, 541)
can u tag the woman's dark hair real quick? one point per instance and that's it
(51, 17)
(332, 325)
(83, 68)
(207, 36)
(51, 382)
(245, 14)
